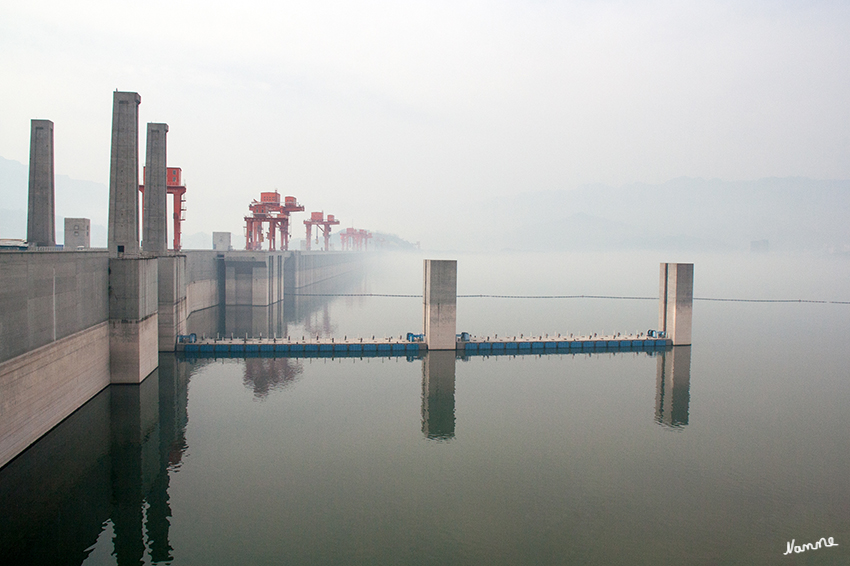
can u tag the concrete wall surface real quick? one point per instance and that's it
(42, 387)
(172, 311)
(133, 288)
(314, 267)
(676, 302)
(46, 296)
(440, 304)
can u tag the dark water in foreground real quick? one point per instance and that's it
(720, 453)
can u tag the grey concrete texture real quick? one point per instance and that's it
(222, 241)
(133, 349)
(172, 304)
(77, 233)
(676, 302)
(124, 175)
(154, 210)
(46, 296)
(43, 386)
(440, 304)
(41, 221)
(133, 288)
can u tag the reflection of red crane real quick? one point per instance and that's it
(174, 186)
(355, 240)
(317, 219)
(269, 209)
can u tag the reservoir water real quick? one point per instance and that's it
(719, 453)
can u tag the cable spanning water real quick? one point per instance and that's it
(614, 297)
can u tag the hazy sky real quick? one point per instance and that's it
(389, 114)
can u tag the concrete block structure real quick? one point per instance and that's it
(676, 302)
(438, 395)
(123, 238)
(222, 241)
(172, 310)
(77, 233)
(154, 210)
(440, 304)
(41, 222)
(133, 321)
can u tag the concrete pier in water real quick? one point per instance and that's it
(676, 302)
(440, 304)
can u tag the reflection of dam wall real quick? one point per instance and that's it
(56, 351)
(107, 461)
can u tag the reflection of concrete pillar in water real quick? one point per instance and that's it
(173, 400)
(41, 225)
(156, 188)
(135, 462)
(676, 301)
(673, 387)
(438, 395)
(440, 304)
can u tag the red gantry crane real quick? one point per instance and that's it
(174, 186)
(318, 219)
(355, 240)
(269, 210)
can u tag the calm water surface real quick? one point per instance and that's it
(720, 453)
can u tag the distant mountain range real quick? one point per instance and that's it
(790, 214)
(74, 199)
(682, 214)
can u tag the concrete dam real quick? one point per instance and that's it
(75, 321)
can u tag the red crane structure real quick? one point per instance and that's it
(355, 240)
(318, 220)
(175, 187)
(269, 210)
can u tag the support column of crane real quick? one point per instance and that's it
(269, 210)
(318, 219)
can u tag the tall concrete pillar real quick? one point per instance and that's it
(124, 175)
(440, 304)
(673, 387)
(154, 211)
(676, 302)
(41, 224)
(438, 395)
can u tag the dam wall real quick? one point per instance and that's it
(64, 316)
(46, 296)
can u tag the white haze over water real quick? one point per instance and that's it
(405, 117)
